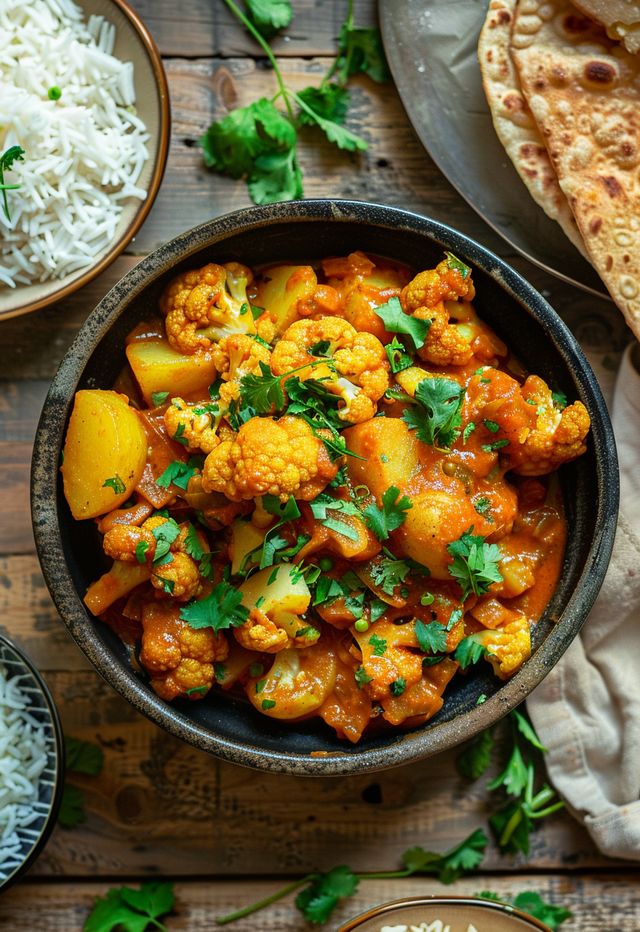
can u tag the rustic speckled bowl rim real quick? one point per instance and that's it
(159, 167)
(385, 908)
(44, 478)
(59, 756)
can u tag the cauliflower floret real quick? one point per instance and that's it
(260, 633)
(196, 424)
(424, 298)
(121, 542)
(557, 437)
(270, 457)
(506, 647)
(359, 370)
(177, 657)
(179, 577)
(234, 357)
(389, 653)
(207, 304)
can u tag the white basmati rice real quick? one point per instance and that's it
(23, 759)
(84, 152)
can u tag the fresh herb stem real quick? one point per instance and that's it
(266, 901)
(246, 22)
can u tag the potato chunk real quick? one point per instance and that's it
(281, 290)
(390, 454)
(105, 442)
(160, 368)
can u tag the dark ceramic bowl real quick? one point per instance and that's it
(457, 912)
(42, 709)
(70, 553)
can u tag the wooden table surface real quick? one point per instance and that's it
(226, 835)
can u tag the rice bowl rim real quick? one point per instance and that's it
(56, 746)
(385, 911)
(161, 154)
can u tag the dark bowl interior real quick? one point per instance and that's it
(70, 552)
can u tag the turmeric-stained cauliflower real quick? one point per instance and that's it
(235, 357)
(424, 297)
(178, 658)
(390, 653)
(206, 304)
(506, 647)
(556, 436)
(123, 541)
(270, 457)
(179, 577)
(194, 425)
(359, 370)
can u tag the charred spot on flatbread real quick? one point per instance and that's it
(600, 73)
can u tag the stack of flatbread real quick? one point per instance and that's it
(564, 94)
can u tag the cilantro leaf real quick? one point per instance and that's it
(335, 133)
(514, 776)
(397, 355)
(469, 651)
(388, 572)
(284, 511)
(330, 101)
(438, 416)
(469, 429)
(495, 445)
(178, 474)
(8, 157)
(317, 901)
(269, 15)
(262, 392)
(192, 544)
(158, 398)
(115, 483)
(82, 756)
(531, 902)
(165, 534)
(396, 321)
(453, 863)
(221, 609)
(276, 176)
(362, 677)
(72, 812)
(233, 144)
(475, 757)
(483, 507)
(382, 521)
(432, 637)
(141, 550)
(527, 731)
(130, 909)
(559, 400)
(379, 645)
(475, 563)
(360, 51)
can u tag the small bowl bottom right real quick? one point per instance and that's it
(443, 914)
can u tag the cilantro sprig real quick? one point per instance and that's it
(322, 892)
(532, 903)
(131, 909)
(437, 416)
(8, 157)
(396, 321)
(220, 610)
(81, 757)
(382, 521)
(259, 142)
(475, 563)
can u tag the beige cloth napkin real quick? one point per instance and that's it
(587, 710)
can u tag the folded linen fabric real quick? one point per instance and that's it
(587, 710)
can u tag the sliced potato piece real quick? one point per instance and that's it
(160, 368)
(118, 582)
(105, 443)
(282, 288)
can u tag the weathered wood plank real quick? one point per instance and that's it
(204, 28)
(601, 901)
(161, 806)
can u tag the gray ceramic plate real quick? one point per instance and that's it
(431, 46)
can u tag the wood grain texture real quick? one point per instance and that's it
(206, 28)
(600, 903)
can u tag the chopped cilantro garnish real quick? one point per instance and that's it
(397, 355)
(221, 609)
(141, 549)
(398, 686)
(362, 677)
(396, 321)
(158, 398)
(432, 637)
(437, 417)
(321, 348)
(492, 426)
(454, 263)
(469, 429)
(165, 534)
(192, 544)
(115, 483)
(268, 704)
(284, 511)
(382, 521)
(469, 651)
(559, 399)
(475, 563)
(483, 507)
(495, 445)
(379, 645)
(179, 473)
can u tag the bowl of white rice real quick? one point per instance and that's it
(444, 914)
(84, 111)
(31, 763)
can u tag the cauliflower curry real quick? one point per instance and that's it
(327, 487)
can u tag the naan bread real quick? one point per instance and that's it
(621, 19)
(584, 91)
(513, 121)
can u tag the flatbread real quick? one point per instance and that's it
(513, 121)
(584, 92)
(621, 19)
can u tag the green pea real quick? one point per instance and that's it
(361, 625)
(325, 564)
